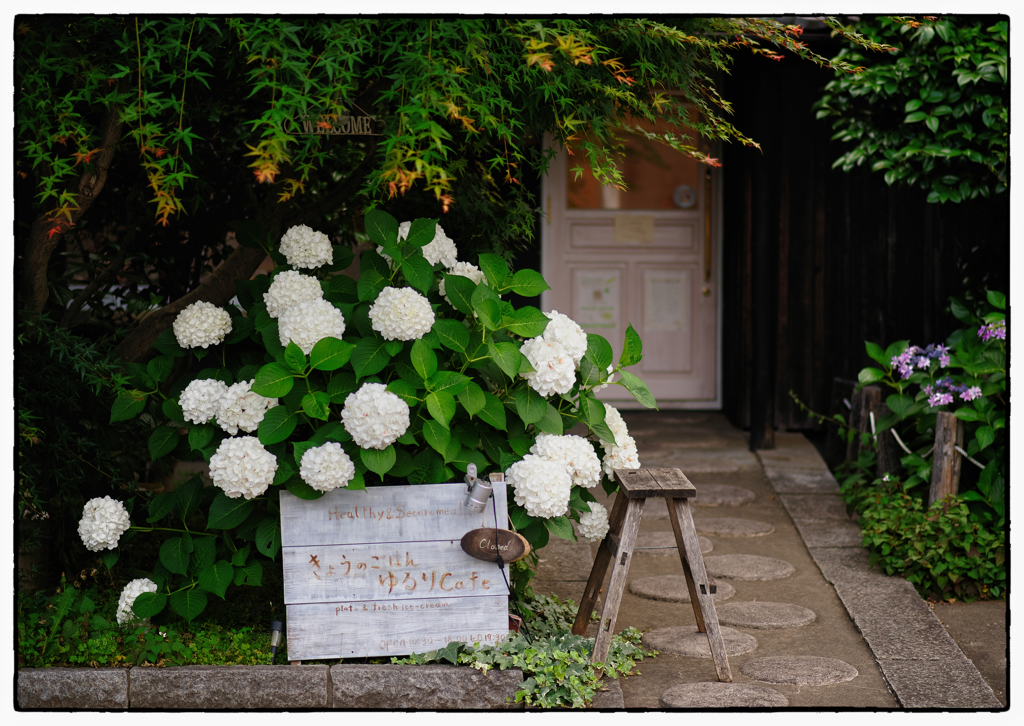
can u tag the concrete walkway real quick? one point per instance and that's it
(807, 623)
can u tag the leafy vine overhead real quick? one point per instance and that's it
(193, 121)
(934, 115)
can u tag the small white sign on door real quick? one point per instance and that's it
(666, 300)
(597, 298)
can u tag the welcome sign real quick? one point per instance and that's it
(382, 572)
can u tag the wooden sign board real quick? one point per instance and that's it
(382, 572)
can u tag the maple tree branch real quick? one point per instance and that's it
(48, 229)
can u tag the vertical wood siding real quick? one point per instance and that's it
(857, 260)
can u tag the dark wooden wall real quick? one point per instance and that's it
(817, 260)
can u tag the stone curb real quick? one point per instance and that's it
(385, 687)
(922, 664)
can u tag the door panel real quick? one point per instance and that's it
(615, 258)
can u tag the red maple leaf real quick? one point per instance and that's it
(160, 152)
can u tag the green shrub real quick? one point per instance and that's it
(945, 550)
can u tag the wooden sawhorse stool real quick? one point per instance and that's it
(635, 486)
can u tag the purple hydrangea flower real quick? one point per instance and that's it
(940, 399)
(971, 393)
(993, 330)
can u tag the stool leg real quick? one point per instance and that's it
(620, 567)
(604, 558)
(693, 565)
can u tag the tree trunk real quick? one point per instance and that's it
(48, 229)
(218, 289)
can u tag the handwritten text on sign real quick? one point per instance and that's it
(381, 571)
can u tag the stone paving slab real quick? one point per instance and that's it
(747, 567)
(764, 615)
(846, 564)
(714, 694)
(815, 506)
(786, 481)
(732, 527)
(792, 451)
(565, 560)
(610, 697)
(426, 687)
(230, 687)
(882, 599)
(900, 638)
(77, 688)
(687, 640)
(672, 588)
(802, 670)
(829, 534)
(939, 684)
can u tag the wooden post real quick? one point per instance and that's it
(889, 452)
(949, 433)
(870, 402)
(835, 447)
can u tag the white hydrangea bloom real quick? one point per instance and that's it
(564, 330)
(124, 603)
(103, 522)
(288, 288)
(374, 416)
(613, 418)
(621, 455)
(200, 401)
(326, 467)
(463, 269)
(553, 368)
(242, 467)
(308, 322)
(304, 247)
(594, 524)
(440, 249)
(575, 452)
(201, 324)
(401, 313)
(541, 485)
(241, 408)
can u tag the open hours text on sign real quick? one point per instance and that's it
(381, 572)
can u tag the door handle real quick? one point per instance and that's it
(707, 225)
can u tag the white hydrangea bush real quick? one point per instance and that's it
(131, 591)
(200, 401)
(375, 417)
(306, 248)
(554, 371)
(288, 288)
(401, 313)
(242, 467)
(201, 325)
(242, 409)
(317, 382)
(326, 467)
(308, 322)
(594, 524)
(103, 522)
(541, 486)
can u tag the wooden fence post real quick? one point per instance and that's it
(870, 402)
(889, 453)
(835, 446)
(949, 433)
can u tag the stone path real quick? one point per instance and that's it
(807, 624)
